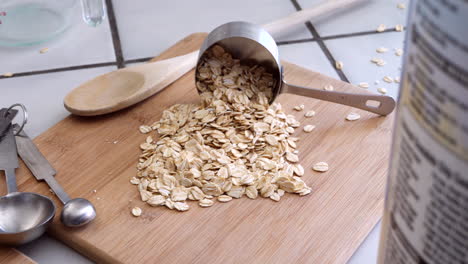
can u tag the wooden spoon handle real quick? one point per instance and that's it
(324, 9)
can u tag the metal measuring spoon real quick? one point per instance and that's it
(23, 216)
(249, 42)
(76, 212)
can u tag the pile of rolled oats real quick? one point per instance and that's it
(232, 144)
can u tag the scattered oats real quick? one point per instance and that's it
(299, 107)
(156, 200)
(280, 192)
(399, 28)
(396, 79)
(381, 28)
(206, 203)
(308, 128)
(94, 191)
(378, 61)
(399, 52)
(251, 192)
(382, 90)
(381, 50)
(298, 170)
(179, 194)
(224, 198)
(320, 166)
(135, 181)
(230, 144)
(44, 50)
(99, 198)
(236, 192)
(292, 157)
(388, 79)
(310, 113)
(145, 129)
(272, 140)
(353, 116)
(136, 211)
(364, 85)
(305, 191)
(275, 197)
(328, 87)
(115, 142)
(169, 204)
(339, 65)
(401, 6)
(7, 74)
(375, 60)
(181, 206)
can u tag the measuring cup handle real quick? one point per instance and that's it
(93, 11)
(379, 104)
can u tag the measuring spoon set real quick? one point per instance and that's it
(24, 216)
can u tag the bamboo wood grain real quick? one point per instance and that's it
(13, 256)
(100, 153)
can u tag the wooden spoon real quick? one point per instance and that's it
(122, 88)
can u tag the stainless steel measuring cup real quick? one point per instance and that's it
(252, 44)
(24, 216)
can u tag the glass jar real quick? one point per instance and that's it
(29, 22)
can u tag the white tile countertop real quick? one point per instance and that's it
(134, 32)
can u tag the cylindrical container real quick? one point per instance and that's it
(426, 209)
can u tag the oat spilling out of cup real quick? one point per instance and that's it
(232, 144)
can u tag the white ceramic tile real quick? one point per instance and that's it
(367, 252)
(149, 27)
(43, 95)
(308, 55)
(80, 44)
(356, 53)
(50, 251)
(364, 17)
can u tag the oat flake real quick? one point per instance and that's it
(353, 116)
(320, 166)
(382, 90)
(136, 211)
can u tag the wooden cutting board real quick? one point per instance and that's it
(100, 153)
(13, 256)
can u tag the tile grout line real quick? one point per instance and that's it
(295, 41)
(145, 59)
(321, 44)
(115, 34)
(327, 52)
(357, 34)
(70, 68)
(337, 36)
